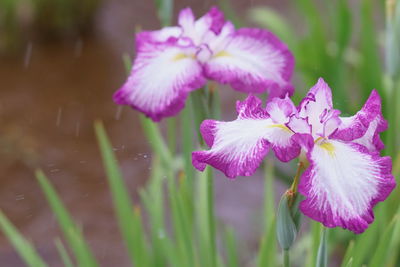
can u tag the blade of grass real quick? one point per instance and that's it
(348, 254)
(314, 56)
(187, 144)
(72, 234)
(25, 250)
(181, 225)
(165, 10)
(230, 14)
(65, 258)
(364, 243)
(370, 68)
(273, 21)
(395, 244)
(231, 248)
(171, 134)
(342, 21)
(380, 256)
(267, 252)
(205, 219)
(157, 143)
(322, 256)
(128, 220)
(153, 199)
(315, 238)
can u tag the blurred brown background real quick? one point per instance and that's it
(56, 77)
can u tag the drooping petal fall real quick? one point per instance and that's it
(343, 183)
(238, 147)
(162, 76)
(251, 61)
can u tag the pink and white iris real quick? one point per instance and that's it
(173, 61)
(346, 175)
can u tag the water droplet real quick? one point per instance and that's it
(28, 55)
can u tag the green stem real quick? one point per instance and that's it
(286, 258)
(292, 192)
(300, 167)
(211, 221)
(171, 130)
(200, 110)
(269, 198)
(204, 103)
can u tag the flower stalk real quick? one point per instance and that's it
(292, 192)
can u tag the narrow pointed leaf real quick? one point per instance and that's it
(72, 234)
(129, 221)
(25, 250)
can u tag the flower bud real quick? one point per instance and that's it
(286, 229)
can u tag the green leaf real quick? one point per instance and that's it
(126, 59)
(273, 21)
(370, 68)
(153, 198)
(343, 27)
(71, 232)
(349, 263)
(267, 252)
(314, 245)
(381, 253)
(205, 218)
(171, 133)
(165, 10)
(129, 221)
(348, 255)
(229, 12)
(231, 248)
(395, 243)
(25, 250)
(322, 256)
(65, 258)
(187, 144)
(364, 243)
(156, 140)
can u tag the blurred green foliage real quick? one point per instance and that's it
(22, 19)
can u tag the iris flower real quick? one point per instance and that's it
(345, 177)
(173, 61)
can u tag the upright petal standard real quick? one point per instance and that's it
(345, 177)
(173, 61)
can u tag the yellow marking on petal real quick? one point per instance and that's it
(183, 56)
(328, 147)
(222, 54)
(280, 126)
(179, 57)
(321, 141)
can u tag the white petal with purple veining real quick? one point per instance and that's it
(161, 93)
(251, 60)
(343, 183)
(239, 146)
